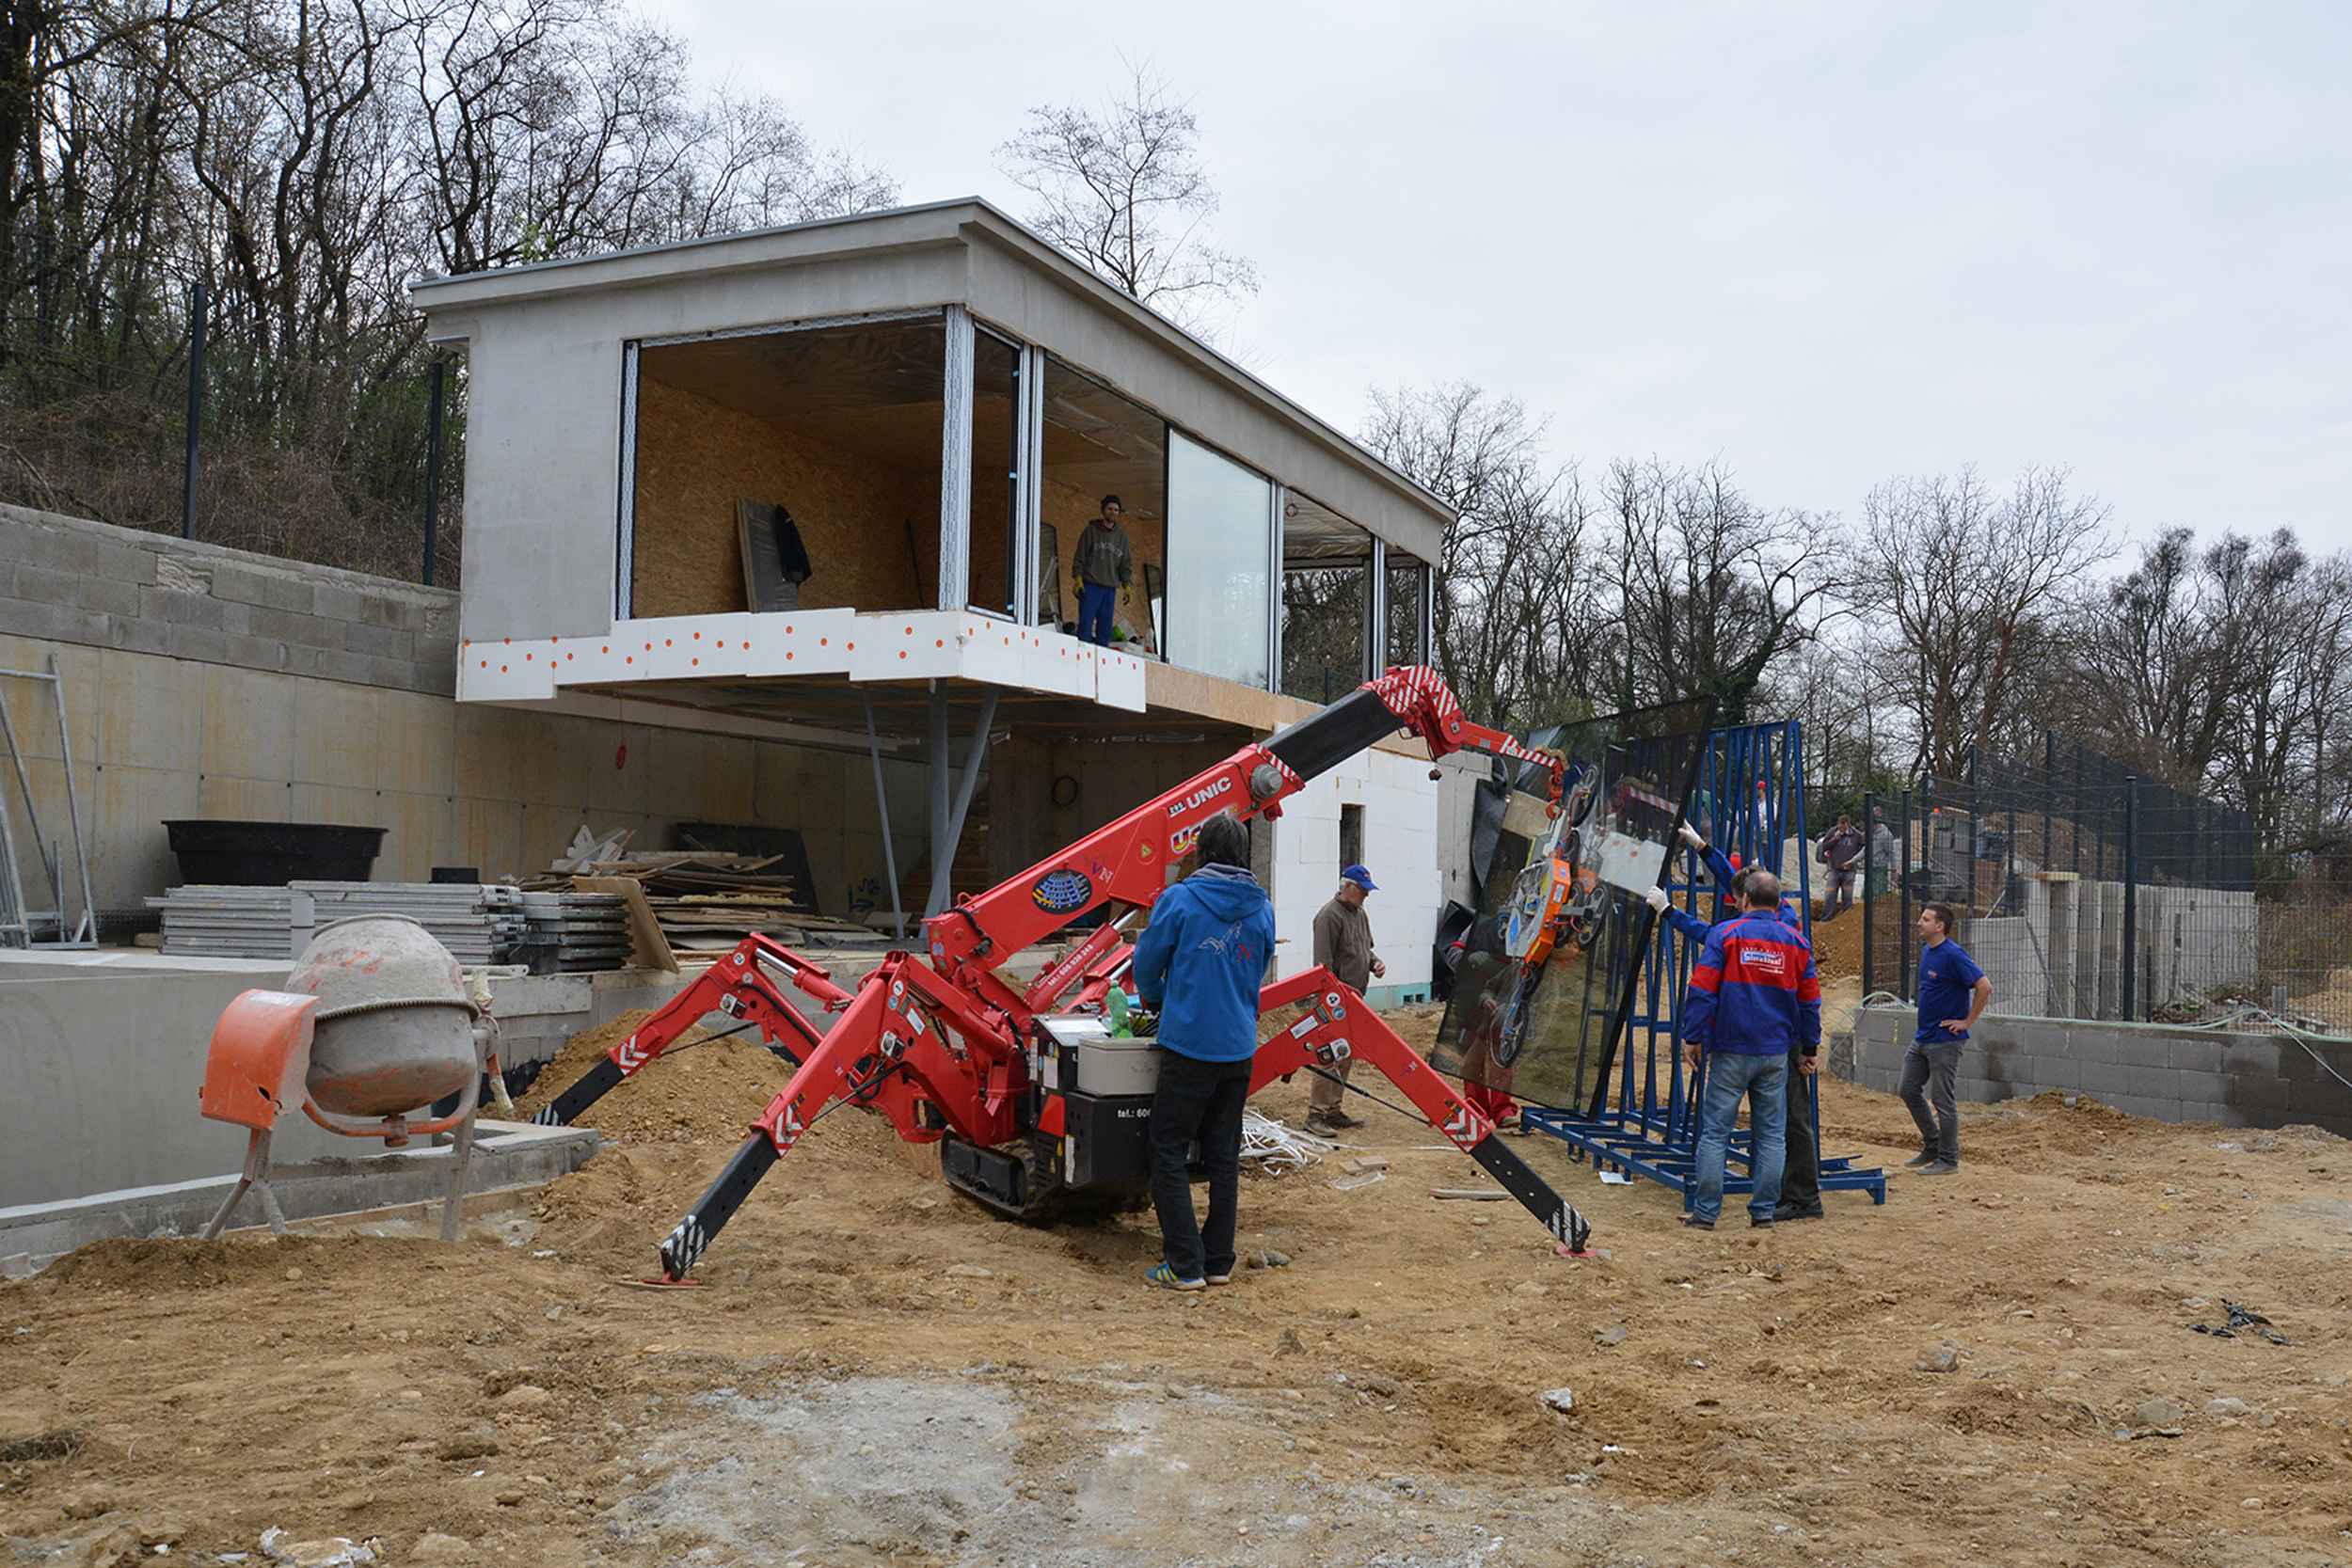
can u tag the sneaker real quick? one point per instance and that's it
(1925, 1157)
(1940, 1167)
(1321, 1126)
(1220, 1279)
(1759, 1222)
(1168, 1279)
(1798, 1212)
(1697, 1224)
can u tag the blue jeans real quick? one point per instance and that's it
(1094, 612)
(1763, 1083)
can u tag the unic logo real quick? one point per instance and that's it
(1202, 796)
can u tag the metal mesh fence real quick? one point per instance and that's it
(2089, 893)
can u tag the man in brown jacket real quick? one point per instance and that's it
(1342, 945)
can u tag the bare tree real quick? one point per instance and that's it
(1123, 189)
(1514, 619)
(1710, 588)
(1967, 592)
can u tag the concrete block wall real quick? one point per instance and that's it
(67, 580)
(2147, 1069)
(340, 712)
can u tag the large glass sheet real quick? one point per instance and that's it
(1543, 1025)
(996, 405)
(1327, 596)
(1220, 553)
(1408, 601)
(1097, 444)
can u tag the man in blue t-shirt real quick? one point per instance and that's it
(1952, 994)
(1200, 962)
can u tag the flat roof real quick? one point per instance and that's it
(932, 225)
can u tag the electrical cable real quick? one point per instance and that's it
(1277, 1147)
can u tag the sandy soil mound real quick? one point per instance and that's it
(2002, 1364)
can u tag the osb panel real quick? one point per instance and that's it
(696, 459)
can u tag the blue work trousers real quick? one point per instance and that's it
(1763, 1083)
(1095, 602)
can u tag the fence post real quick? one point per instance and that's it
(1870, 886)
(2131, 891)
(1903, 934)
(196, 409)
(433, 474)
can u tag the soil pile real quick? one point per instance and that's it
(2004, 1364)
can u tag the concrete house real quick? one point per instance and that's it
(820, 486)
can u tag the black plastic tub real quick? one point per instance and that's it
(271, 854)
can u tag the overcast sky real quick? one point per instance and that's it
(1829, 243)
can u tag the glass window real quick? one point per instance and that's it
(996, 473)
(1408, 609)
(1220, 552)
(1327, 595)
(1098, 444)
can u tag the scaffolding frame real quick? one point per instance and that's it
(1749, 800)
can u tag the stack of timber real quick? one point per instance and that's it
(477, 923)
(707, 902)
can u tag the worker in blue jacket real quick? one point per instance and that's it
(1800, 1179)
(1200, 963)
(1754, 999)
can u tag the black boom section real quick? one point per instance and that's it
(1320, 743)
(711, 1211)
(592, 1084)
(1533, 1192)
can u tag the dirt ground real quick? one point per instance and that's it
(876, 1373)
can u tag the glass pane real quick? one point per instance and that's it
(1408, 591)
(995, 470)
(1540, 996)
(1220, 551)
(1326, 584)
(1098, 444)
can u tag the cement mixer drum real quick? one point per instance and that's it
(395, 1030)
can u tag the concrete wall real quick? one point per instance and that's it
(2172, 1075)
(251, 724)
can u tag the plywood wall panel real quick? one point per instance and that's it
(696, 459)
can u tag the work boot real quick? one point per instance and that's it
(1341, 1120)
(1941, 1167)
(1925, 1157)
(1784, 1211)
(1321, 1126)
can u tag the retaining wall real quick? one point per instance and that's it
(2147, 1069)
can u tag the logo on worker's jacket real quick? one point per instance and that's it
(1765, 960)
(1062, 891)
(1200, 797)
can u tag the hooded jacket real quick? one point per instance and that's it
(1201, 961)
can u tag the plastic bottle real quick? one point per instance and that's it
(1116, 1009)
